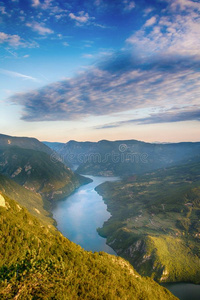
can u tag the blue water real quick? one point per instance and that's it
(184, 291)
(79, 215)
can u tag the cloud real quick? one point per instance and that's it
(13, 40)
(16, 41)
(40, 28)
(119, 83)
(170, 117)
(150, 22)
(3, 10)
(35, 3)
(87, 55)
(65, 44)
(164, 72)
(190, 114)
(184, 4)
(128, 5)
(82, 17)
(16, 74)
(174, 31)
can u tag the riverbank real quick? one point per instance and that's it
(79, 215)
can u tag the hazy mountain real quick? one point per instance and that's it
(54, 145)
(37, 262)
(124, 157)
(155, 222)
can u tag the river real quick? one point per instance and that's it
(184, 291)
(79, 215)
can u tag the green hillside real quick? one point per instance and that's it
(23, 142)
(37, 262)
(155, 222)
(38, 172)
(32, 201)
(36, 167)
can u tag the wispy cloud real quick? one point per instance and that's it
(174, 31)
(82, 17)
(40, 28)
(189, 114)
(128, 5)
(87, 55)
(13, 40)
(164, 72)
(150, 22)
(65, 44)
(120, 83)
(16, 41)
(16, 74)
(35, 3)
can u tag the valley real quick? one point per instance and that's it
(155, 222)
(79, 215)
(152, 220)
(100, 150)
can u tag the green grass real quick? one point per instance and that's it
(37, 262)
(39, 172)
(32, 201)
(160, 209)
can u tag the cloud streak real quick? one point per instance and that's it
(82, 17)
(16, 74)
(157, 118)
(40, 28)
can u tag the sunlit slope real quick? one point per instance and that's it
(32, 201)
(38, 171)
(155, 222)
(37, 262)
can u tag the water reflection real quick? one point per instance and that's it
(184, 291)
(79, 215)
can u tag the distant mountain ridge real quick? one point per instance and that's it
(124, 157)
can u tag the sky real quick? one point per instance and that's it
(97, 69)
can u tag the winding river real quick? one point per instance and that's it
(79, 215)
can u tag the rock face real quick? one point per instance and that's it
(2, 201)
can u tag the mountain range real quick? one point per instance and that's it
(36, 261)
(123, 158)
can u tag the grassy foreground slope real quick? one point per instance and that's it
(37, 262)
(155, 222)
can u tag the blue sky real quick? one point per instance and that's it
(91, 70)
